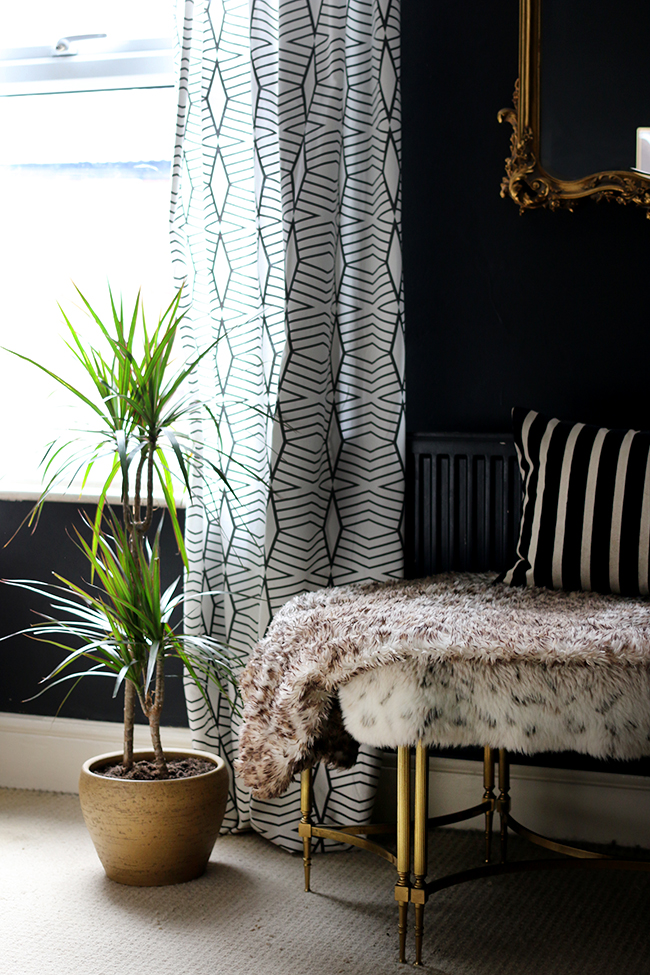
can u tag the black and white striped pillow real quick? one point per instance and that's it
(585, 520)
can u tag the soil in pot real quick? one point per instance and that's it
(143, 771)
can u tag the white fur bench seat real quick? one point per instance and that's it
(456, 659)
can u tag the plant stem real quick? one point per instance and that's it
(138, 482)
(153, 713)
(129, 721)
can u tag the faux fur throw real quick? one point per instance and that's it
(453, 660)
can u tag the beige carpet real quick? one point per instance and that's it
(248, 915)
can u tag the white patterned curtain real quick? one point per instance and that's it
(286, 229)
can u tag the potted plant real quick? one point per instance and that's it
(137, 806)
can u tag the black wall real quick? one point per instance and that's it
(545, 310)
(23, 662)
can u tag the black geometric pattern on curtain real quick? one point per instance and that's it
(286, 226)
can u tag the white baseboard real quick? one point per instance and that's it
(47, 753)
(592, 807)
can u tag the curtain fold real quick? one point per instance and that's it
(286, 229)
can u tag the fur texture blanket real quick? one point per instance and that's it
(454, 660)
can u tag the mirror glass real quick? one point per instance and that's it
(595, 87)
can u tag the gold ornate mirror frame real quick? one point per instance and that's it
(526, 181)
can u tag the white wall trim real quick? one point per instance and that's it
(47, 753)
(593, 807)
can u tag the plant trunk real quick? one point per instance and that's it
(129, 722)
(154, 728)
(153, 715)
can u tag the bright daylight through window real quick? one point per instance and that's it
(87, 114)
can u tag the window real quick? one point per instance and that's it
(87, 112)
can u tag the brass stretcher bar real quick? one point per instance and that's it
(411, 838)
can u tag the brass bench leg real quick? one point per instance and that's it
(418, 891)
(304, 829)
(488, 796)
(503, 802)
(403, 885)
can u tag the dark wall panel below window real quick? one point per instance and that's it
(23, 662)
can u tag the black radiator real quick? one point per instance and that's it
(463, 502)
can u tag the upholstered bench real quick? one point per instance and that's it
(463, 659)
(458, 659)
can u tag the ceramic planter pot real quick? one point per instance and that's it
(154, 832)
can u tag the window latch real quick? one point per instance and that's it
(63, 49)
